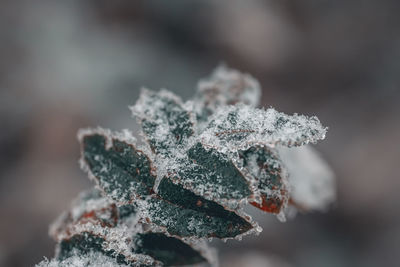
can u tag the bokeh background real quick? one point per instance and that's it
(71, 64)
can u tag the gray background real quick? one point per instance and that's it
(71, 64)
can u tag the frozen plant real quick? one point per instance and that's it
(202, 161)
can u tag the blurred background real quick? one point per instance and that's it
(71, 64)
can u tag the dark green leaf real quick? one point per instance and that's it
(123, 172)
(214, 174)
(185, 214)
(168, 250)
(86, 242)
(165, 122)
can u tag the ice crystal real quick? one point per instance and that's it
(202, 161)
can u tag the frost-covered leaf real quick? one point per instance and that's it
(240, 127)
(114, 242)
(93, 225)
(266, 168)
(165, 122)
(213, 175)
(91, 207)
(86, 242)
(185, 214)
(121, 170)
(311, 179)
(224, 87)
(168, 250)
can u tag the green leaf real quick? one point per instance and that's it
(86, 242)
(165, 122)
(265, 166)
(240, 127)
(168, 250)
(213, 175)
(185, 214)
(122, 171)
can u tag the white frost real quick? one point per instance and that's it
(91, 259)
(240, 127)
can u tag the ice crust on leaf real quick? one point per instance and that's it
(120, 169)
(312, 180)
(224, 87)
(165, 122)
(240, 127)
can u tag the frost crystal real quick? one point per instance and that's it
(240, 127)
(91, 259)
(202, 162)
